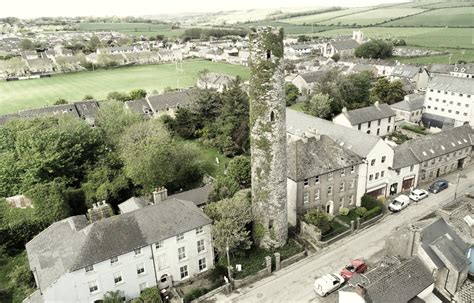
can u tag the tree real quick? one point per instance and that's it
(319, 105)
(112, 120)
(93, 44)
(136, 94)
(185, 123)
(88, 97)
(231, 217)
(375, 49)
(60, 101)
(118, 96)
(149, 295)
(238, 170)
(336, 57)
(49, 201)
(113, 297)
(26, 44)
(358, 90)
(292, 93)
(388, 92)
(318, 219)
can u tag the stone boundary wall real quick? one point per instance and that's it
(226, 288)
(293, 259)
(251, 279)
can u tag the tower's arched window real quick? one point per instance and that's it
(269, 54)
(272, 116)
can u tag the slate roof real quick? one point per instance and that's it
(443, 245)
(361, 143)
(403, 157)
(438, 121)
(170, 100)
(412, 102)
(199, 196)
(452, 84)
(438, 144)
(344, 44)
(463, 68)
(368, 113)
(364, 67)
(398, 283)
(87, 108)
(139, 106)
(312, 157)
(440, 68)
(132, 204)
(312, 76)
(66, 109)
(71, 244)
(405, 71)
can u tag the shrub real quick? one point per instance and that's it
(343, 211)
(150, 295)
(372, 213)
(195, 293)
(319, 219)
(369, 202)
(360, 211)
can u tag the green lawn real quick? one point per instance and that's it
(297, 106)
(323, 16)
(209, 155)
(137, 29)
(25, 94)
(460, 16)
(372, 17)
(431, 37)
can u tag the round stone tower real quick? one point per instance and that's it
(268, 136)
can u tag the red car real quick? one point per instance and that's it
(356, 265)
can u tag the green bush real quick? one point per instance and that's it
(360, 211)
(343, 211)
(319, 219)
(195, 293)
(150, 295)
(369, 202)
(372, 213)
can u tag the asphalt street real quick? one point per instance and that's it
(294, 283)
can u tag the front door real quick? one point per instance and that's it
(437, 172)
(393, 189)
(461, 163)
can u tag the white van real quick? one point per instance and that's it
(327, 284)
(399, 203)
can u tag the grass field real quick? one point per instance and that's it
(430, 37)
(460, 16)
(443, 4)
(137, 29)
(72, 87)
(323, 16)
(455, 55)
(292, 29)
(371, 17)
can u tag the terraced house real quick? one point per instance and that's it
(441, 153)
(321, 174)
(164, 244)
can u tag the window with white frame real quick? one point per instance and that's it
(316, 194)
(306, 182)
(89, 268)
(138, 251)
(343, 172)
(162, 261)
(202, 264)
(383, 159)
(371, 177)
(181, 253)
(316, 180)
(140, 268)
(113, 260)
(159, 244)
(199, 230)
(376, 176)
(200, 245)
(352, 169)
(93, 287)
(353, 181)
(341, 201)
(329, 190)
(180, 237)
(330, 176)
(351, 200)
(305, 197)
(117, 277)
(382, 173)
(183, 270)
(341, 187)
(411, 168)
(372, 162)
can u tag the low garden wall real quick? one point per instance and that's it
(253, 278)
(293, 259)
(223, 289)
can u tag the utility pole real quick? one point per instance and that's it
(228, 259)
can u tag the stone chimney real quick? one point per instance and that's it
(99, 210)
(160, 194)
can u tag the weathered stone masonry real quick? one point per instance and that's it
(268, 136)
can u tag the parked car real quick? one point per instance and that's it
(356, 266)
(399, 203)
(327, 284)
(438, 186)
(418, 194)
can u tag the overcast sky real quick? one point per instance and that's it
(37, 8)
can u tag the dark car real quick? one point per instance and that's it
(438, 186)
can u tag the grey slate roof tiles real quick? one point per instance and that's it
(369, 113)
(170, 100)
(452, 84)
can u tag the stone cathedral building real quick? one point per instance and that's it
(268, 136)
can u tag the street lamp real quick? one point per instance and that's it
(457, 184)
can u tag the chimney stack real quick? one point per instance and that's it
(99, 210)
(160, 194)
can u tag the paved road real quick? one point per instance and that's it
(294, 283)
